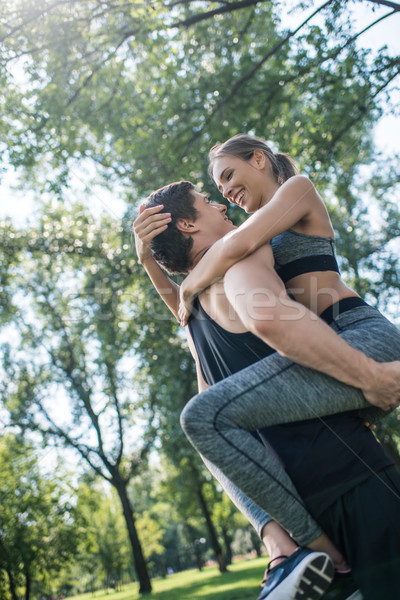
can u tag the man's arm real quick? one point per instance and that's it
(259, 297)
(147, 226)
(201, 384)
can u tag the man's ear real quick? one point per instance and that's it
(186, 226)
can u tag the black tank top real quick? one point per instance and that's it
(222, 353)
(324, 457)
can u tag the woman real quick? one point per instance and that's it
(289, 213)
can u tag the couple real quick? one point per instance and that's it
(306, 370)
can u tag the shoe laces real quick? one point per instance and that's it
(268, 569)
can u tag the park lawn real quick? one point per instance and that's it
(241, 583)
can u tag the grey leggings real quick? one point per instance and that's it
(275, 390)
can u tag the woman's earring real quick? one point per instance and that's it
(280, 180)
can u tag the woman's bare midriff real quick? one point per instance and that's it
(319, 290)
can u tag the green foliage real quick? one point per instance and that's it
(144, 91)
(103, 558)
(40, 528)
(169, 515)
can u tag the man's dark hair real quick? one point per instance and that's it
(171, 248)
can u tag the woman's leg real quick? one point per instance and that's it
(276, 539)
(280, 546)
(275, 390)
(256, 516)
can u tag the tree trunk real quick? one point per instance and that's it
(27, 584)
(256, 542)
(228, 548)
(138, 558)
(197, 555)
(212, 532)
(11, 584)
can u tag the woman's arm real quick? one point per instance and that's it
(146, 226)
(292, 203)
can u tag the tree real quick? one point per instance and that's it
(182, 495)
(138, 94)
(143, 91)
(39, 527)
(69, 375)
(104, 553)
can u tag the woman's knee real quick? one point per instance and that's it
(192, 417)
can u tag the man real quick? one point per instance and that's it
(204, 226)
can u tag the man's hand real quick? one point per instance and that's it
(147, 226)
(384, 391)
(371, 426)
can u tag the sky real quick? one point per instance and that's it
(20, 205)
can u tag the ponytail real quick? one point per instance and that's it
(286, 166)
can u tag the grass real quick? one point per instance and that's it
(242, 582)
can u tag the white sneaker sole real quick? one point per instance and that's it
(308, 580)
(355, 596)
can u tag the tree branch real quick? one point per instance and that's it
(361, 111)
(217, 11)
(68, 370)
(37, 15)
(56, 431)
(257, 66)
(394, 5)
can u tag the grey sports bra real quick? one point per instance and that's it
(298, 253)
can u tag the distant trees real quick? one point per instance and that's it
(68, 372)
(39, 529)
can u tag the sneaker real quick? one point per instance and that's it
(304, 575)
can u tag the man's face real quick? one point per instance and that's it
(211, 217)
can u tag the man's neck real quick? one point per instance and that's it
(203, 242)
(198, 254)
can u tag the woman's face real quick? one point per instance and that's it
(246, 183)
